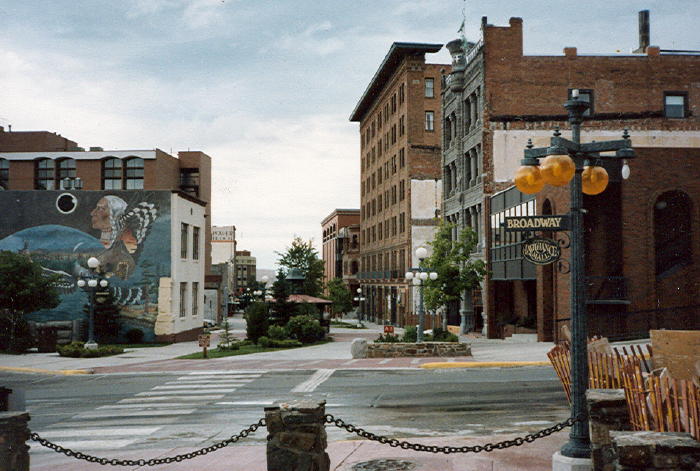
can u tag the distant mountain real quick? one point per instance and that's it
(51, 238)
(260, 272)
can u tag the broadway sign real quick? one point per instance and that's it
(536, 223)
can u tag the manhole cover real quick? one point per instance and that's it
(384, 465)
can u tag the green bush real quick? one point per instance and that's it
(134, 335)
(306, 329)
(276, 332)
(388, 338)
(23, 339)
(286, 343)
(410, 334)
(78, 350)
(256, 320)
(263, 341)
(230, 346)
(306, 309)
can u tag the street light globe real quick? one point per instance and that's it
(104, 283)
(264, 279)
(528, 179)
(81, 283)
(93, 263)
(92, 283)
(421, 252)
(409, 275)
(594, 180)
(558, 169)
(433, 275)
(424, 276)
(625, 170)
(359, 290)
(416, 281)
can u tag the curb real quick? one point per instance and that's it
(483, 364)
(52, 372)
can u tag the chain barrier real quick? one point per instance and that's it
(392, 442)
(154, 461)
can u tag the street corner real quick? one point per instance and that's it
(13, 369)
(483, 364)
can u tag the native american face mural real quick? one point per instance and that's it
(128, 232)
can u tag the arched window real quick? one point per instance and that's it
(4, 174)
(44, 174)
(112, 174)
(134, 174)
(66, 169)
(672, 231)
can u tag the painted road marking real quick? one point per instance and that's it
(90, 432)
(224, 372)
(315, 381)
(195, 387)
(351, 362)
(211, 381)
(177, 391)
(90, 445)
(384, 362)
(415, 361)
(171, 398)
(138, 413)
(143, 406)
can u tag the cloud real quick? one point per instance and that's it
(315, 39)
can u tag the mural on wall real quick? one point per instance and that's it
(128, 232)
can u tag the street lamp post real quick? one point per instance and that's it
(89, 283)
(360, 299)
(419, 274)
(571, 162)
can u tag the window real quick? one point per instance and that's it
(672, 231)
(66, 169)
(402, 93)
(402, 125)
(4, 174)
(380, 230)
(675, 105)
(379, 120)
(429, 88)
(429, 121)
(587, 96)
(402, 190)
(44, 176)
(195, 299)
(402, 222)
(195, 244)
(393, 103)
(112, 174)
(183, 299)
(402, 158)
(134, 174)
(183, 240)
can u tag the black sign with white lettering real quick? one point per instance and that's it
(536, 223)
(541, 251)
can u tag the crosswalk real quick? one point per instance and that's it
(136, 418)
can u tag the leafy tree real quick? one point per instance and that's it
(280, 291)
(341, 296)
(25, 289)
(457, 271)
(256, 321)
(302, 255)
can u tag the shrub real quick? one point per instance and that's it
(134, 335)
(306, 329)
(78, 350)
(23, 339)
(264, 341)
(410, 334)
(229, 346)
(276, 332)
(306, 309)
(388, 338)
(256, 320)
(286, 343)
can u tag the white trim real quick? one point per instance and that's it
(80, 155)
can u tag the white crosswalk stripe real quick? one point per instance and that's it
(134, 419)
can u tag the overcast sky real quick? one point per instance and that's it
(264, 87)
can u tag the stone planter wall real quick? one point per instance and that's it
(14, 433)
(425, 349)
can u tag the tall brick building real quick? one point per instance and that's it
(341, 246)
(399, 115)
(642, 256)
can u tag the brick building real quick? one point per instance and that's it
(399, 115)
(341, 246)
(245, 265)
(641, 254)
(144, 214)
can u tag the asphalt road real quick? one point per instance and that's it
(138, 411)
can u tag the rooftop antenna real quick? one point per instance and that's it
(462, 36)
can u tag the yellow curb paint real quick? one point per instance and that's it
(52, 372)
(484, 364)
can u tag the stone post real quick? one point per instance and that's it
(297, 436)
(14, 433)
(650, 451)
(607, 411)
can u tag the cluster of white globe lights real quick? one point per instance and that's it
(92, 263)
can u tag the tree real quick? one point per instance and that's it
(280, 291)
(302, 255)
(341, 296)
(25, 288)
(457, 271)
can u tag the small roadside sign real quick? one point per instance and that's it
(204, 342)
(388, 329)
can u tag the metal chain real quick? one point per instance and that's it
(154, 461)
(392, 442)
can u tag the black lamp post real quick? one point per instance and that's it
(90, 283)
(360, 299)
(563, 162)
(419, 274)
